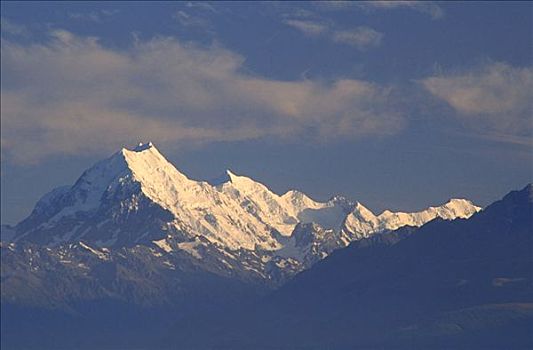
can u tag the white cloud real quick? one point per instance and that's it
(428, 7)
(196, 15)
(93, 16)
(189, 20)
(71, 95)
(306, 26)
(201, 5)
(496, 98)
(89, 16)
(360, 37)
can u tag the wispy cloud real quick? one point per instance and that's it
(428, 7)
(93, 16)
(495, 98)
(188, 20)
(307, 27)
(196, 15)
(71, 95)
(361, 37)
(202, 6)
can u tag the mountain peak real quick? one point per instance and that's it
(244, 183)
(143, 150)
(220, 180)
(363, 213)
(230, 175)
(525, 195)
(460, 207)
(528, 190)
(227, 177)
(146, 162)
(234, 211)
(458, 201)
(143, 146)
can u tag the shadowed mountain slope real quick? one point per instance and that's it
(449, 284)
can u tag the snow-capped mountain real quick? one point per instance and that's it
(362, 223)
(461, 284)
(136, 197)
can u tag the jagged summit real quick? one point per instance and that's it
(229, 176)
(527, 192)
(362, 222)
(244, 183)
(525, 195)
(138, 197)
(143, 146)
(219, 180)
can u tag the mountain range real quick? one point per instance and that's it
(137, 198)
(134, 239)
(461, 284)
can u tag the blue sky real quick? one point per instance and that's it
(399, 105)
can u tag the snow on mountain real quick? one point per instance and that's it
(362, 223)
(138, 197)
(281, 212)
(105, 206)
(197, 207)
(329, 215)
